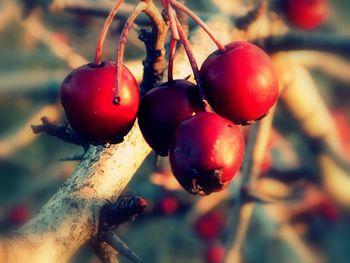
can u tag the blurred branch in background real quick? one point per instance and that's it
(24, 135)
(242, 210)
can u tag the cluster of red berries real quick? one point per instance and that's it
(206, 149)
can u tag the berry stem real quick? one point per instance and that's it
(191, 58)
(172, 16)
(121, 48)
(172, 51)
(199, 21)
(108, 22)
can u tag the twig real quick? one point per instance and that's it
(336, 66)
(252, 16)
(307, 41)
(287, 233)
(256, 149)
(61, 131)
(10, 11)
(89, 7)
(60, 49)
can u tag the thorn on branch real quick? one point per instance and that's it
(125, 209)
(121, 247)
(61, 131)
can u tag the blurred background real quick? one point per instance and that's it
(38, 48)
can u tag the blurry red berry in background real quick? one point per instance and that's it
(60, 37)
(314, 204)
(169, 205)
(267, 162)
(307, 14)
(342, 121)
(329, 211)
(215, 253)
(19, 214)
(210, 225)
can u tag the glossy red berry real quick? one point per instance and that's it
(206, 153)
(163, 108)
(87, 98)
(210, 225)
(307, 14)
(240, 83)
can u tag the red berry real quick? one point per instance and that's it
(19, 214)
(240, 83)
(169, 205)
(206, 153)
(87, 98)
(215, 254)
(163, 108)
(210, 225)
(307, 14)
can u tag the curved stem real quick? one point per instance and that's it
(172, 17)
(199, 21)
(191, 58)
(108, 22)
(172, 51)
(120, 54)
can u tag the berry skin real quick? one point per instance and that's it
(87, 98)
(210, 225)
(163, 108)
(240, 83)
(307, 14)
(206, 153)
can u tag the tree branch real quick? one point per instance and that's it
(71, 217)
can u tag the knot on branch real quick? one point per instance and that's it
(125, 209)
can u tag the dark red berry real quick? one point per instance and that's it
(215, 253)
(240, 83)
(19, 214)
(307, 14)
(206, 153)
(87, 98)
(163, 108)
(210, 225)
